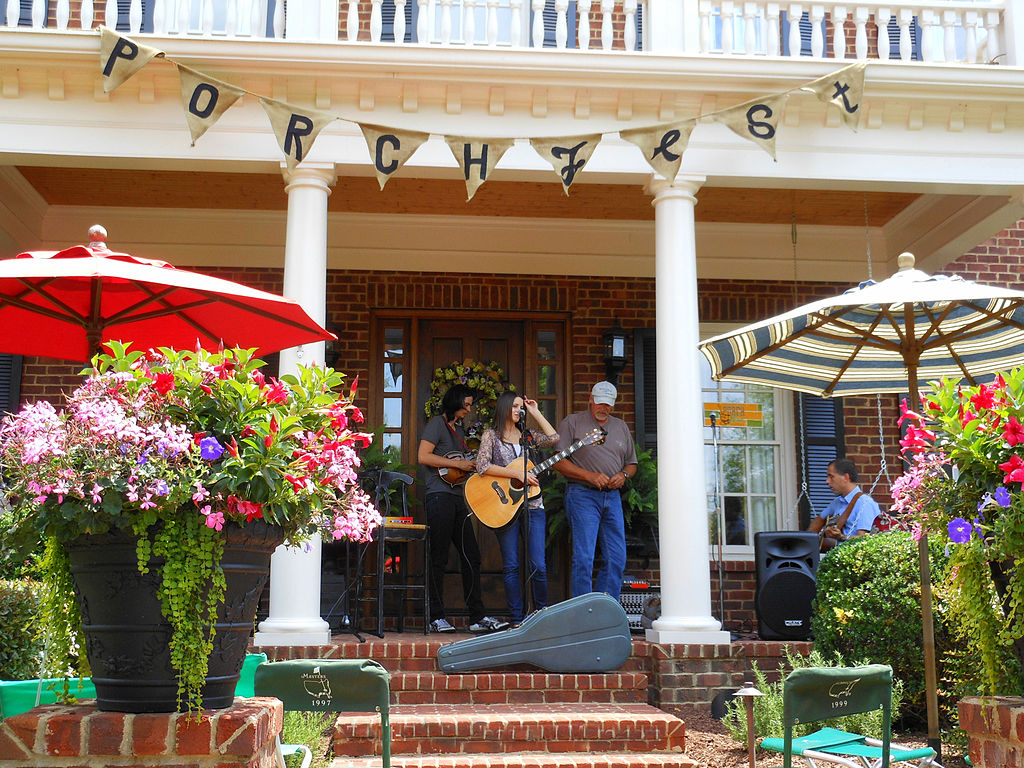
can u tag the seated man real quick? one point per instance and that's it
(851, 513)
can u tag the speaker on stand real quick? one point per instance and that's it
(787, 564)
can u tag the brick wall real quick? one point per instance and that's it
(995, 730)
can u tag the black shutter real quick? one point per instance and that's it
(645, 370)
(639, 27)
(25, 17)
(124, 8)
(387, 15)
(823, 442)
(550, 17)
(10, 383)
(894, 39)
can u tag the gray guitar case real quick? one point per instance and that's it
(589, 633)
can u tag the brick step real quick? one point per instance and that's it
(528, 760)
(430, 729)
(484, 688)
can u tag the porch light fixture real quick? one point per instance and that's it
(615, 356)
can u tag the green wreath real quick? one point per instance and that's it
(487, 380)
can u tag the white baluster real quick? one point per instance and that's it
(399, 23)
(971, 20)
(840, 44)
(992, 48)
(422, 22)
(795, 13)
(538, 23)
(109, 14)
(629, 34)
(231, 19)
(13, 12)
(376, 21)
(860, 35)
(446, 22)
(882, 22)
(749, 28)
(257, 19)
(208, 17)
(816, 16)
(184, 13)
(352, 21)
(607, 32)
(929, 29)
(85, 13)
(583, 27)
(160, 17)
(727, 13)
(774, 34)
(949, 24)
(38, 13)
(469, 21)
(63, 14)
(706, 40)
(906, 18)
(135, 16)
(516, 36)
(491, 33)
(278, 20)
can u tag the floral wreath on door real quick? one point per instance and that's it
(487, 380)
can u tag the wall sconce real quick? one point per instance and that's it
(615, 356)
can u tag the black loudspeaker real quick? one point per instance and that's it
(786, 566)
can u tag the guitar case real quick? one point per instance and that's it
(589, 633)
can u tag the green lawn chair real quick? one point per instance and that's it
(823, 693)
(328, 685)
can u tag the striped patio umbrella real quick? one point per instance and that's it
(879, 337)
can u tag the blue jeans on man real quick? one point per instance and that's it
(595, 517)
(508, 540)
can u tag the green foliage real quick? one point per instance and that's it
(60, 621)
(487, 380)
(868, 606)
(20, 651)
(307, 728)
(768, 720)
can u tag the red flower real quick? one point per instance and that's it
(917, 438)
(353, 388)
(268, 441)
(247, 431)
(356, 415)
(273, 424)
(277, 393)
(983, 401)
(225, 370)
(1014, 432)
(906, 413)
(1014, 469)
(298, 483)
(164, 383)
(197, 438)
(259, 378)
(206, 388)
(233, 448)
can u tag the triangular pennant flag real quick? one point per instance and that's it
(296, 129)
(120, 58)
(756, 120)
(390, 148)
(567, 155)
(205, 99)
(662, 145)
(477, 158)
(845, 89)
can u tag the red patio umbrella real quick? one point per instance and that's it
(63, 304)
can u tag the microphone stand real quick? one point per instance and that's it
(526, 441)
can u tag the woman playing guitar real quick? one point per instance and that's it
(499, 448)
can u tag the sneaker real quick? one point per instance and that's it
(441, 625)
(488, 624)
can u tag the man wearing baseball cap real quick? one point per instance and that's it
(595, 473)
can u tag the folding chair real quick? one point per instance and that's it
(824, 693)
(328, 685)
(17, 696)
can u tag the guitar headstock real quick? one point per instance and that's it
(595, 436)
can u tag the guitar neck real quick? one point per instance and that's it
(545, 465)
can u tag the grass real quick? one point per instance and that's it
(309, 728)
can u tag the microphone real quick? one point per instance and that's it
(522, 415)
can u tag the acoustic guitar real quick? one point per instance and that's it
(495, 500)
(452, 475)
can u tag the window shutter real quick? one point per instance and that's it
(645, 368)
(823, 442)
(10, 383)
(894, 39)
(550, 16)
(124, 8)
(639, 26)
(387, 15)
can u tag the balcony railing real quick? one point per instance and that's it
(935, 31)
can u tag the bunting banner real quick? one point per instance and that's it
(567, 155)
(390, 148)
(477, 158)
(205, 99)
(120, 58)
(756, 120)
(662, 145)
(845, 89)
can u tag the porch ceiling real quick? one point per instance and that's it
(418, 196)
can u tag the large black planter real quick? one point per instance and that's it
(126, 635)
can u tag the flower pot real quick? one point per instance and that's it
(126, 635)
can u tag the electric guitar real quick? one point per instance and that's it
(452, 475)
(495, 500)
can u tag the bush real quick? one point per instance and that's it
(20, 651)
(868, 606)
(768, 708)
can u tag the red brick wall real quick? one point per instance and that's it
(995, 730)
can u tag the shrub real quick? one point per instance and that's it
(868, 606)
(20, 651)
(768, 708)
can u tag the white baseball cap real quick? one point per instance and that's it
(604, 392)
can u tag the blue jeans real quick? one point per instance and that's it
(596, 516)
(508, 540)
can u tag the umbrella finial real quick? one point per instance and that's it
(97, 238)
(905, 261)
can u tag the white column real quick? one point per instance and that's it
(682, 504)
(295, 571)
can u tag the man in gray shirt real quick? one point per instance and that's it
(595, 473)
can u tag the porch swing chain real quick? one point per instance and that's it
(883, 467)
(804, 494)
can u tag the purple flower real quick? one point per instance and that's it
(210, 449)
(160, 488)
(1002, 496)
(959, 530)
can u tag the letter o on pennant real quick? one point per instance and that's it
(211, 102)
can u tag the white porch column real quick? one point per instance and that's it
(295, 571)
(682, 504)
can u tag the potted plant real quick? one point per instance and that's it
(174, 457)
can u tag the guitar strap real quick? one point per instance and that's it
(846, 513)
(456, 435)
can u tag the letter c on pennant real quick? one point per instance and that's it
(378, 155)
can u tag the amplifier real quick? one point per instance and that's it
(633, 599)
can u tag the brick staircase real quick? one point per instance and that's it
(514, 716)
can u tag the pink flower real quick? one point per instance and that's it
(1014, 469)
(277, 392)
(1014, 432)
(983, 400)
(214, 520)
